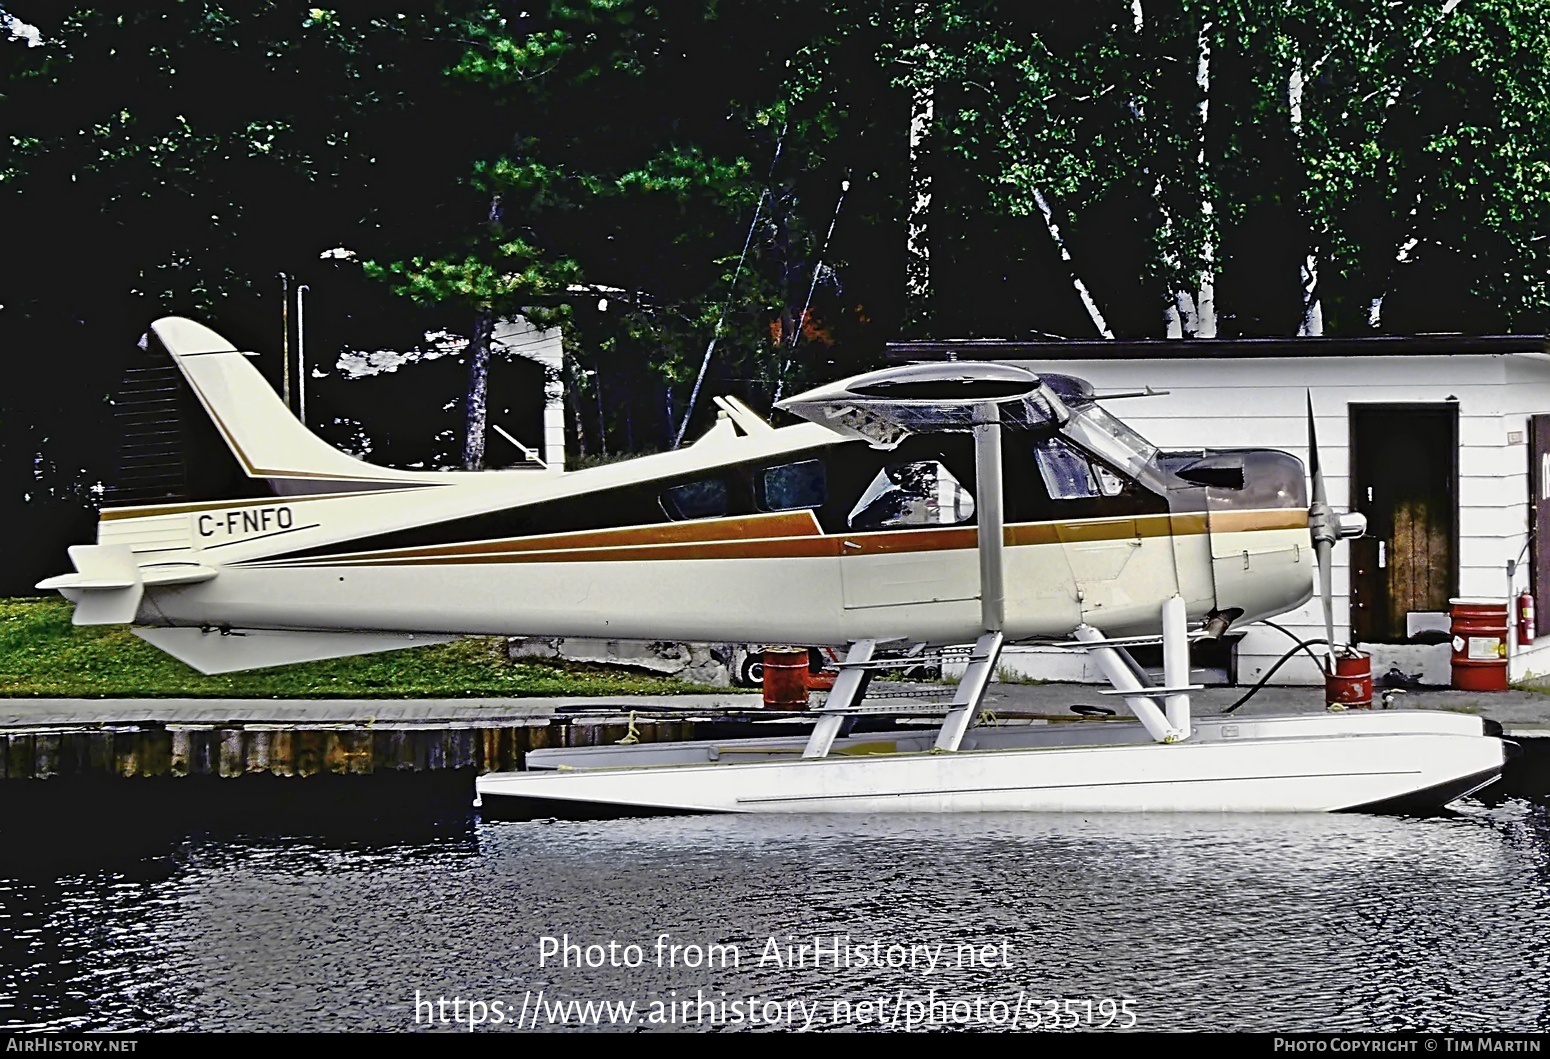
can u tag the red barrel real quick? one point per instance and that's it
(1350, 685)
(1479, 644)
(785, 678)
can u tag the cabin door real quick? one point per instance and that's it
(1404, 478)
(911, 539)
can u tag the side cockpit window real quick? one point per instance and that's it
(792, 486)
(706, 498)
(1068, 474)
(922, 493)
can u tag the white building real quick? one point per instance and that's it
(518, 336)
(1443, 442)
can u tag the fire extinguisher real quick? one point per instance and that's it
(1526, 629)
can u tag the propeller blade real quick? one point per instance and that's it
(1323, 542)
(1326, 577)
(1313, 457)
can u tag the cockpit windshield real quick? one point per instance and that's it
(1111, 440)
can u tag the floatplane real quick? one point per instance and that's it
(945, 504)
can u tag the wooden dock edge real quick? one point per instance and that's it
(146, 750)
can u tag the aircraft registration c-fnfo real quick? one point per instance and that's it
(937, 504)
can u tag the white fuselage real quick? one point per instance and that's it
(723, 540)
(763, 577)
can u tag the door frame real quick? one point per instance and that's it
(1538, 481)
(1354, 411)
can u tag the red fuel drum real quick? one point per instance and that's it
(1479, 629)
(785, 678)
(1350, 685)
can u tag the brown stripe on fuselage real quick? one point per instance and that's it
(1183, 523)
(767, 548)
(919, 540)
(783, 524)
(790, 535)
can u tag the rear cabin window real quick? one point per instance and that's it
(791, 486)
(921, 493)
(703, 499)
(1068, 474)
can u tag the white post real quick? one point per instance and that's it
(1124, 680)
(301, 356)
(552, 357)
(992, 530)
(285, 339)
(1176, 664)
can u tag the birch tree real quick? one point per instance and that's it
(1422, 131)
(1118, 109)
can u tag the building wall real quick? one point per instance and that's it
(1263, 403)
(1526, 394)
(518, 336)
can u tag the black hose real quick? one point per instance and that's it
(1304, 644)
(1301, 645)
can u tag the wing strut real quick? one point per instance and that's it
(845, 696)
(992, 538)
(1164, 712)
(844, 699)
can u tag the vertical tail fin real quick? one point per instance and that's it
(267, 440)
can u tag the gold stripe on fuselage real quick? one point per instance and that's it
(787, 535)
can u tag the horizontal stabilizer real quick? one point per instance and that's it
(215, 651)
(109, 581)
(106, 587)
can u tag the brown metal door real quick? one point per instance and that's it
(1404, 478)
(1539, 508)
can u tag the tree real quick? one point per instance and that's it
(174, 194)
(615, 178)
(1425, 152)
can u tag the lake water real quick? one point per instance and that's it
(429, 917)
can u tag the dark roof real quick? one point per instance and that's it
(1223, 348)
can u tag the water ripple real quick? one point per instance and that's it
(1266, 923)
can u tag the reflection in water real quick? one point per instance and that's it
(1224, 923)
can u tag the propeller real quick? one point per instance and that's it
(1323, 538)
(1326, 527)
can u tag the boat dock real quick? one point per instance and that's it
(231, 738)
(49, 739)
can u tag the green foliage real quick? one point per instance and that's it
(629, 153)
(174, 156)
(42, 654)
(514, 278)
